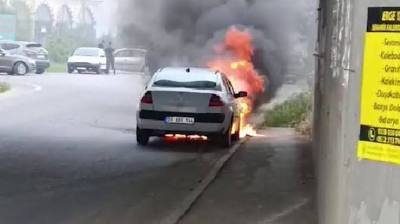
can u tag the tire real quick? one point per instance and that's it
(236, 136)
(20, 68)
(142, 137)
(40, 71)
(226, 138)
(80, 71)
(98, 70)
(70, 69)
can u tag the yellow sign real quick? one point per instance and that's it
(380, 96)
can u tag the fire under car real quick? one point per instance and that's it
(189, 101)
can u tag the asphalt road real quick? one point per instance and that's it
(68, 154)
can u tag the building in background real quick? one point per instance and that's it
(37, 19)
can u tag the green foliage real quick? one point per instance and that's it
(57, 68)
(60, 47)
(290, 113)
(4, 87)
(64, 41)
(24, 21)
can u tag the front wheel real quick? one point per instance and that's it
(70, 70)
(142, 137)
(20, 68)
(98, 70)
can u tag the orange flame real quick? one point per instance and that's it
(234, 59)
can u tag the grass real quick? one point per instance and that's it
(4, 87)
(291, 113)
(57, 68)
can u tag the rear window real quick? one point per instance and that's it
(190, 80)
(33, 45)
(86, 52)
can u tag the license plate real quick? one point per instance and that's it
(41, 57)
(179, 120)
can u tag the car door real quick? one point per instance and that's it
(120, 58)
(136, 60)
(6, 62)
(231, 96)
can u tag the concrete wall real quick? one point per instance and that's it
(349, 191)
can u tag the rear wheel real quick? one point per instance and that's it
(226, 138)
(20, 68)
(40, 71)
(142, 137)
(236, 136)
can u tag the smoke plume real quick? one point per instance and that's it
(184, 32)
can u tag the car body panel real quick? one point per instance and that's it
(88, 62)
(130, 59)
(188, 102)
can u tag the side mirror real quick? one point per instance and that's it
(2, 53)
(241, 94)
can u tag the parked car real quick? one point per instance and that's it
(16, 64)
(130, 59)
(86, 59)
(189, 101)
(29, 49)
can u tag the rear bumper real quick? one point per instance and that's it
(205, 124)
(198, 117)
(42, 64)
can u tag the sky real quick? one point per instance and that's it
(104, 14)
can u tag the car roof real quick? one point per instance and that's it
(27, 42)
(89, 48)
(9, 41)
(132, 49)
(186, 70)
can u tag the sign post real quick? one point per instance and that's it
(380, 96)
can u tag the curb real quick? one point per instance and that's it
(191, 199)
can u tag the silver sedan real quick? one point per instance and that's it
(189, 101)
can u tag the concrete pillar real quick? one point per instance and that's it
(350, 190)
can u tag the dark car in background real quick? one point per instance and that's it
(16, 64)
(32, 50)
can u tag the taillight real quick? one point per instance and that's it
(215, 101)
(147, 98)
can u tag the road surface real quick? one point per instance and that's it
(68, 154)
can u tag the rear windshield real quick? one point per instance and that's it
(86, 52)
(193, 80)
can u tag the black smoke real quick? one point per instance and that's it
(184, 32)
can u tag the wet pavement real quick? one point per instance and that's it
(270, 180)
(68, 155)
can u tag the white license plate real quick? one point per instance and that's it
(179, 120)
(41, 57)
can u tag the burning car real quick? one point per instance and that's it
(190, 101)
